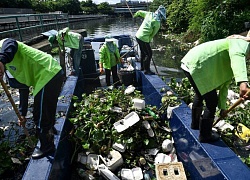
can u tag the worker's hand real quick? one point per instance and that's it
(223, 113)
(1, 70)
(121, 60)
(101, 70)
(22, 121)
(244, 91)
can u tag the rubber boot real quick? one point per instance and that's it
(46, 144)
(206, 133)
(147, 68)
(196, 116)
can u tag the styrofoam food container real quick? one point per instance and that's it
(138, 103)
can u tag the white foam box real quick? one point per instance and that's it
(132, 174)
(119, 147)
(127, 174)
(128, 121)
(106, 173)
(93, 161)
(139, 103)
(137, 173)
(116, 160)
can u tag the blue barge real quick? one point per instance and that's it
(213, 161)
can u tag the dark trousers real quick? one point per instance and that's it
(211, 99)
(114, 75)
(24, 101)
(45, 103)
(146, 54)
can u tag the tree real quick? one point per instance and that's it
(178, 16)
(8, 3)
(89, 7)
(217, 19)
(105, 8)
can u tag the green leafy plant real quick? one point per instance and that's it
(94, 117)
(14, 150)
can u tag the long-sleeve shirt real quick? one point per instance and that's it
(149, 27)
(28, 65)
(71, 39)
(214, 64)
(107, 58)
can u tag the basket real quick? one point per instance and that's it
(126, 77)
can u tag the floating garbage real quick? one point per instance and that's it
(128, 121)
(243, 132)
(130, 89)
(139, 103)
(167, 145)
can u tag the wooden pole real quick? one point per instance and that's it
(238, 102)
(16, 110)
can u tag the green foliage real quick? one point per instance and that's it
(205, 19)
(69, 6)
(89, 7)
(217, 19)
(105, 8)
(178, 16)
(12, 146)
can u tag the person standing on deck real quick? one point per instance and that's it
(148, 29)
(109, 58)
(75, 41)
(211, 66)
(40, 70)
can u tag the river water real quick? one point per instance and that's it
(166, 52)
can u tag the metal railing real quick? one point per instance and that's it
(24, 27)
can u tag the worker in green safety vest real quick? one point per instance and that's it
(32, 67)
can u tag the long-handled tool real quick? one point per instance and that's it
(238, 102)
(129, 50)
(16, 110)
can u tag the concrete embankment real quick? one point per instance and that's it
(29, 28)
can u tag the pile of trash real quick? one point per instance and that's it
(118, 136)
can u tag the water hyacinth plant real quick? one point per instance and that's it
(94, 118)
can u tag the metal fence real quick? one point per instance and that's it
(24, 27)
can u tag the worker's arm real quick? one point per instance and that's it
(7, 53)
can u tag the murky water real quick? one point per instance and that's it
(166, 53)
